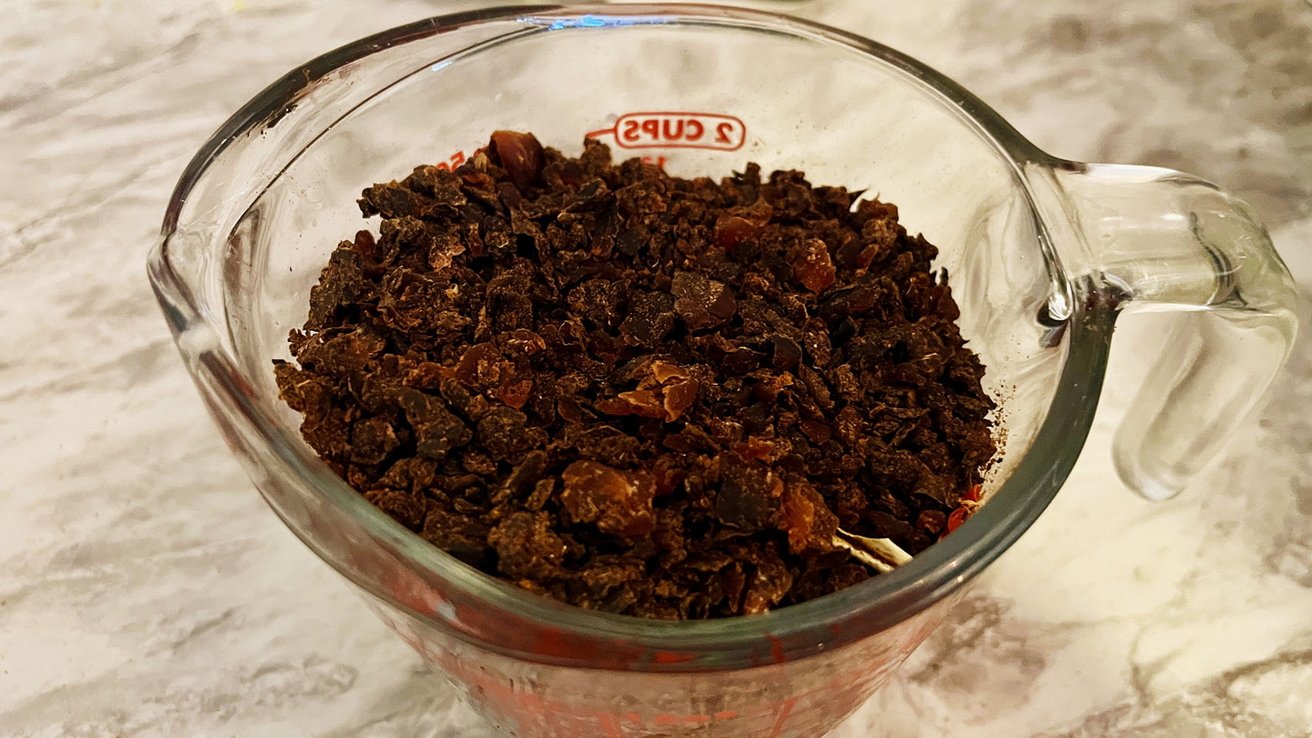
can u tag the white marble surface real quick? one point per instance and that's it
(145, 590)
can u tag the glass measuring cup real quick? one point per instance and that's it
(1044, 254)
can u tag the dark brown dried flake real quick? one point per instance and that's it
(700, 301)
(437, 430)
(526, 546)
(505, 434)
(341, 285)
(650, 319)
(406, 508)
(372, 440)
(749, 495)
(459, 535)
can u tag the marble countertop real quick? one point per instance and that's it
(146, 590)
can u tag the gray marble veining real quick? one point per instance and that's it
(146, 590)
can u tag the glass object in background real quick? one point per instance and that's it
(1043, 254)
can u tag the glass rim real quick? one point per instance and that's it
(817, 625)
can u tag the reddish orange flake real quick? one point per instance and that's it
(807, 520)
(814, 270)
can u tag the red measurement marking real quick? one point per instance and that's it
(413, 592)
(785, 707)
(610, 726)
(677, 130)
(672, 657)
(455, 160)
(666, 720)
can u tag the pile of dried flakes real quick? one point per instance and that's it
(639, 393)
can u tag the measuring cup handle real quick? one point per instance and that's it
(1161, 240)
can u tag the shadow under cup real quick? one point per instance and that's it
(702, 91)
